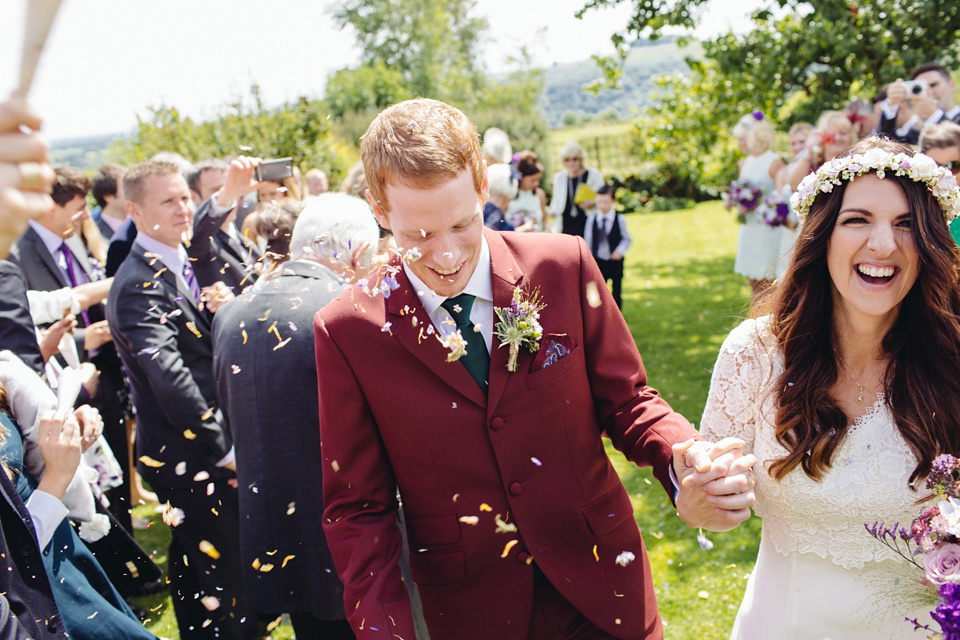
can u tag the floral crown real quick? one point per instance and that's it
(919, 168)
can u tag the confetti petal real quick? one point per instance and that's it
(506, 549)
(150, 462)
(207, 547)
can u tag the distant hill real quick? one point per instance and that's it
(86, 153)
(563, 90)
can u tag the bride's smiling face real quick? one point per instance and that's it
(871, 256)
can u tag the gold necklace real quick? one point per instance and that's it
(850, 375)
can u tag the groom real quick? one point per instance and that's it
(518, 524)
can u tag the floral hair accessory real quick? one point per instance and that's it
(757, 115)
(919, 168)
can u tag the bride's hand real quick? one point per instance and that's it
(716, 483)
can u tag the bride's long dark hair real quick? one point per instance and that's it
(922, 380)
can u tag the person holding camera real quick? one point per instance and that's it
(927, 98)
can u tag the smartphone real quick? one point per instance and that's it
(274, 169)
(916, 88)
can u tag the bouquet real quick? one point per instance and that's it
(934, 537)
(743, 196)
(775, 210)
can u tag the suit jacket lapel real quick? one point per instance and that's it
(507, 275)
(159, 269)
(404, 305)
(40, 250)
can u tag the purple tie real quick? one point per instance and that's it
(191, 280)
(72, 276)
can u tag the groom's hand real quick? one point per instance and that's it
(716, 483)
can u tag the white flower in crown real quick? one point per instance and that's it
(918, 167)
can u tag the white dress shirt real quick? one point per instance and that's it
(480, 286)
(606, 219)
(52, 242)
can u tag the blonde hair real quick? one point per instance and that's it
(836, 116)
(419, 143)
(943, 135)
(801, 127)
(759, 133)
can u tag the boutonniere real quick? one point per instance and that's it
(519, 324)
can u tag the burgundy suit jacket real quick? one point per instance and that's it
(489, 484)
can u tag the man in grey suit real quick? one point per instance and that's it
(267, 384)
(183, 450)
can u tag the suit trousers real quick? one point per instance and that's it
(612, 270)
(554, 618)
(204, 561)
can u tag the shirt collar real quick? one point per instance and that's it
(50, 240)
(953, 112)
(173, 257)
(480, 284)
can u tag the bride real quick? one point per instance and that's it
(845, 393)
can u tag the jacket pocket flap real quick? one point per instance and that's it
(438, 529)
(609, 512)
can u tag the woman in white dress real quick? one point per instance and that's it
(758, 248)
(845, 393)
(788, 234)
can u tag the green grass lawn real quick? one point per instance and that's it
(681, 298)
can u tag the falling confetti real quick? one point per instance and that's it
(207, 547)
(286, 560)
(503, 526)
(193, 329)
(150, 462)
(244, 334)
(485, 507)
(625, 558)
(596, 556)
(235, 369)
(536, 461)
(282, 344)
(593, 295)
(291, 508)
(189, 435)
(210, 603)
(506, 549)
(336, 466)
(471, 520)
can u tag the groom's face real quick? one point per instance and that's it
(445, 223)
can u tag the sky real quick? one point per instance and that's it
(107, 61)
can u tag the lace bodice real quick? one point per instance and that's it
(868, 479)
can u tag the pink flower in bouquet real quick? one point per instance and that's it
(942, 565)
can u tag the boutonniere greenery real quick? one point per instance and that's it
(519, 325)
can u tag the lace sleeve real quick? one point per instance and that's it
(741, 374)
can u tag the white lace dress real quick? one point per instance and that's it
(818, 574)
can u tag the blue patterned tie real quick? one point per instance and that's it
(477, 359)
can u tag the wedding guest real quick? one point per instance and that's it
(217, 251)
(846, 392)
(25, 173)
(90, 606)
(275, 223)
(317, 182)
(468, 439)
(788, 232)
(108, 194)
(607, 236)
(942, 143)
(574, 190)
(528, 209)
(834, 133)
(279, 467)
(355, 184)
(183, 450)
(502, 189)
(907, 109)
(758, 246)
(496, 147)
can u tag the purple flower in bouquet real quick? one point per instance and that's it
(947, 613)
(775, 210)
(743, 196)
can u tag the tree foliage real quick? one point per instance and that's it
(299, 130)
(370, 86)
(434, 44)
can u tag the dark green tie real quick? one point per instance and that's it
(477, 359)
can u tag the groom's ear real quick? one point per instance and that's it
(378, 212)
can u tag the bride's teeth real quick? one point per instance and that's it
(875, 272)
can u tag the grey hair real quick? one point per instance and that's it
(496, 145)
(500, 179)
(331, 226)
(572, 149)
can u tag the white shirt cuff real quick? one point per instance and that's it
(216, 209)
(935, 118)
(227, 459)
(908, 125)
(674, 481)
(889, 112)
(47, 512)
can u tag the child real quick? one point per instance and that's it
(606, 235)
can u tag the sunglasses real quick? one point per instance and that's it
(952, 165)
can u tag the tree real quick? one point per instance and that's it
(370, 86)
(434, 44)
(298, 130)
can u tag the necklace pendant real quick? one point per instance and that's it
(860, 396)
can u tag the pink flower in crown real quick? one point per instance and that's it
(942, 565)
(832, 168)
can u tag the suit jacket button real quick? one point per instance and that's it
(496, 424)
(523, 557)
(516, 488)
(52, 623)
(25, 551)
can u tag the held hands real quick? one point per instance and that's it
(91, 425)
(239, 181)
(50, 342)
(716, 483)
(59, 438)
